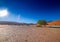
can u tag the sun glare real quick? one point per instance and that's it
(3, 12)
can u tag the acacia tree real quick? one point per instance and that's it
(42, 22)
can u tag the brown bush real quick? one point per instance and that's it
(38, 25)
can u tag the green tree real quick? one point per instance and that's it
(41, 22)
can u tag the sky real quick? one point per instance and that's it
(30, 11)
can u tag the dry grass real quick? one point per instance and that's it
(3, 26)
(14, 33)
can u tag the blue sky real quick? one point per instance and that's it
(30, 11)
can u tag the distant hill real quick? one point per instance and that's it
(9, 23)
(13, 23)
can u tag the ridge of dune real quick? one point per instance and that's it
(57, 22)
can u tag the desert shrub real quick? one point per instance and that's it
(38, 25)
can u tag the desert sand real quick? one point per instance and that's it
(15, 33)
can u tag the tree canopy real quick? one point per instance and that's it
(41, 22)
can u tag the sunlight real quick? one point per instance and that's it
(3, 12)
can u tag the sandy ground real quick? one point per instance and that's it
(14, 33)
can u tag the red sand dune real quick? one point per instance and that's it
(54, 23)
